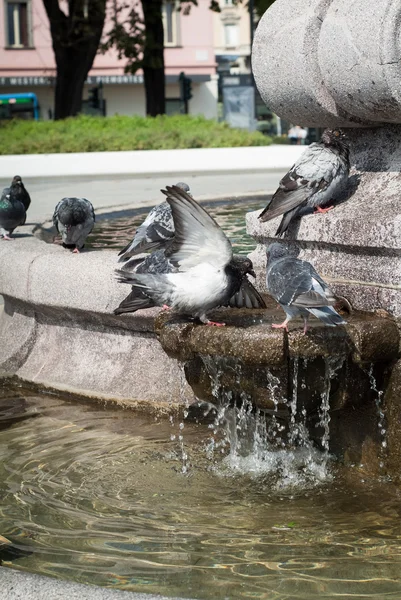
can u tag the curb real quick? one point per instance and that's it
(152, 163)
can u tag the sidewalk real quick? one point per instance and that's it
(115, 181)
(152, 162)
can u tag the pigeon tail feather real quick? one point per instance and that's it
(136, 300)
(328, 315)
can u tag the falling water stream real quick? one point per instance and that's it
(229, 510)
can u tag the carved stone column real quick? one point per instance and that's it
(338, 63)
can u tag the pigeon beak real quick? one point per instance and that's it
(252, 272)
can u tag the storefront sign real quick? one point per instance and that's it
(92, 80)
(27, 80)
(115, 79)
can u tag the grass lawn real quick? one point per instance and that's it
(101, 134)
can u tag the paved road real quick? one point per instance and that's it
(122, 192)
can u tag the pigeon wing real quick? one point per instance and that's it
(318, 295)
(156, 230)
(294, 282)
(55, 215)
(247, 297)
(312, 173)
(90, 209)
(155, 263)
(198, 238)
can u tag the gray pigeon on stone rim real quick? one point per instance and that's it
(202, 255)
(12, 213)
(298, 288)
(318, 176)
(74, 219)
(156, 230)
(17, 191)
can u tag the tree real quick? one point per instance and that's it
(261, 6)
(138, 35)
(75, 38)
(141, 41)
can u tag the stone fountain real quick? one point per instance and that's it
(328, 64)
(324, 64)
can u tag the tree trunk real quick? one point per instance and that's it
(153, 58)
(76, 39)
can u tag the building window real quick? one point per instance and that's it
(170, 17)
(18, 24)
(231, 35)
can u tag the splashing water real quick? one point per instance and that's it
(253, 441)
(293, 404)
(381, 423)
(331, 365)
(254, 454)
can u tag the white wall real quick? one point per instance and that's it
(204, 101)
(123, 99)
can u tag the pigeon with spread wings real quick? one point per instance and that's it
(298, 288)
(156, 263)
(318, 176)
(205, 275)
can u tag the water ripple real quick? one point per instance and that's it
(98, 495)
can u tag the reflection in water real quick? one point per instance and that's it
(100, 497)
(117, 232)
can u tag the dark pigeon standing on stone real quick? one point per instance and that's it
(319, 174)
(157, 263)
(12, 208)
(17, 191)
(156, 230)
(74, 219)
(298, 288)
(202, 254)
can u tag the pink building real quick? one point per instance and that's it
(27, 62)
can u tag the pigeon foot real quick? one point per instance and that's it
(322, 211)
(166, 307)
(215, 324)
(8, 238)
(283, 325)
(75, 251)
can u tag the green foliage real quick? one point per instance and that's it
(100, 134)
(280, 139)
(261, 6)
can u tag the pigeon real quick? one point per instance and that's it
(204, 275)
(156, 230)
(74, 219)
(17, 191)
(298, 288)
(12, 211)
(319, 174)
(157, 263)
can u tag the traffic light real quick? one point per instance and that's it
(185, 87)
(93, 99)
